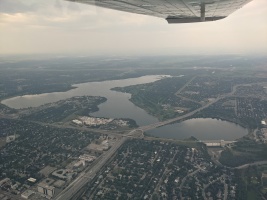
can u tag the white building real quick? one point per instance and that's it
(78, 122)
(94, 121)
(87, 157)
(27, 194)
(10, 138)
(79, 164)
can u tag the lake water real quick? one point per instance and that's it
(116, 106)
(202, 129)
(119, 106)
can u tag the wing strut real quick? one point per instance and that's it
(202, 11)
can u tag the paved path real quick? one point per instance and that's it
(182, 88)
(264, 162)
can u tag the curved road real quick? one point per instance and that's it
(90, 173)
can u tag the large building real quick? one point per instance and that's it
(98, 148)
(27, 194)
(46, 189)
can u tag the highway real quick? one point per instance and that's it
(91, 171)
(89, 174)
(158, 124)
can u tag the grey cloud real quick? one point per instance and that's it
(18, 6)
(28, 6)
(71, 27)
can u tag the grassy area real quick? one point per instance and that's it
(252, 195)
(250, 186)
(246, 150)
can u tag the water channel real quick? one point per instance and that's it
(119, 106)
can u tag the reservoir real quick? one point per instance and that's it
(119, 106)
(202, 129)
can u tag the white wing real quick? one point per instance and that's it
(174, 11)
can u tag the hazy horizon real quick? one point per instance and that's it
(61, 28)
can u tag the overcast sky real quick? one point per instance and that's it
(58, 27)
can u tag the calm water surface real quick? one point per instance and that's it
(119, 106)
(202, 129)
(116, 106)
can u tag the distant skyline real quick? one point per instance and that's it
(60, 27)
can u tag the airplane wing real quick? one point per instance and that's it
(174, 11)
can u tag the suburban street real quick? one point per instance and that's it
(91, 172)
